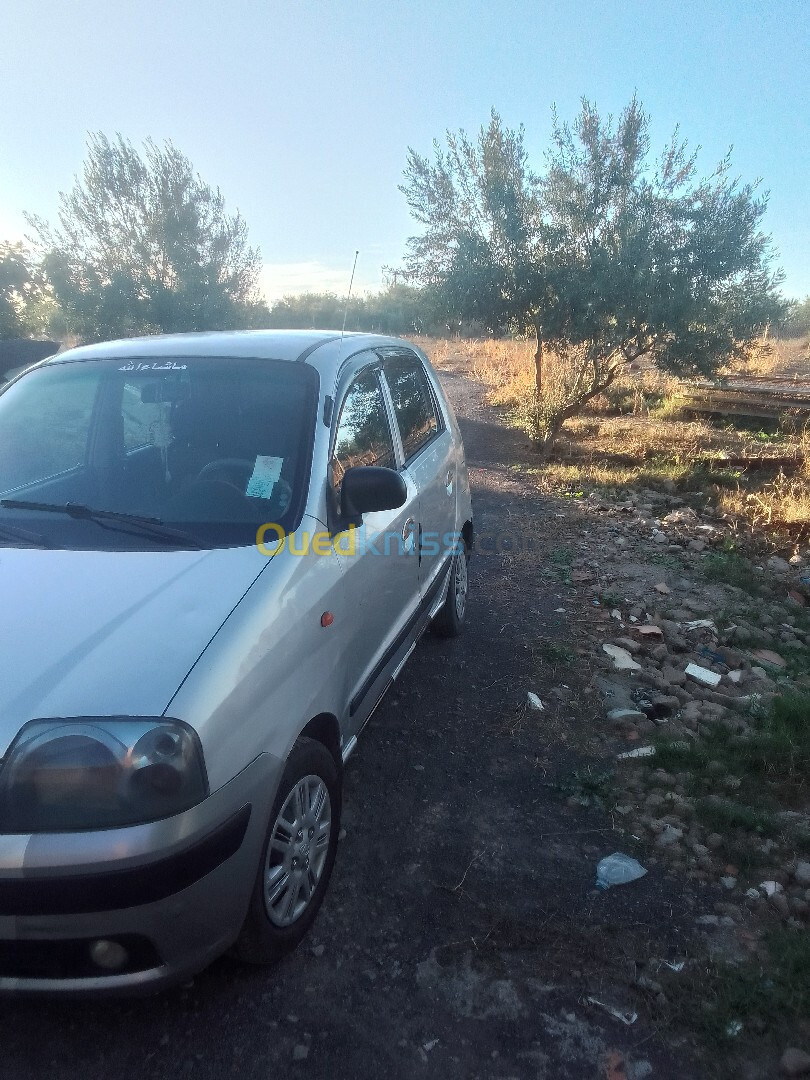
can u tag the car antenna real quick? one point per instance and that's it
(329, 401)
(346, 309)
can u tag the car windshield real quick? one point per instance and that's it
(207, 449)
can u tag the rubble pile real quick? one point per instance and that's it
(680, 653)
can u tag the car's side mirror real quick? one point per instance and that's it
(367, 488)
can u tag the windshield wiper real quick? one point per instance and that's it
(30, 539)
(147, 526)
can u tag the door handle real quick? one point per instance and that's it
(408, 529)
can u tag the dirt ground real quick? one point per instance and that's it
(462, 934)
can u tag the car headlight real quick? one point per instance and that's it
(99, 773)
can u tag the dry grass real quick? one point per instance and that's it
(780, 505)
(776, 357)
(504, 367)
(633, 436)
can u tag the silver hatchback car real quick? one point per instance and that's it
(217, 551)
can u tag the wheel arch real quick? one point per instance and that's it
(467, 534)
(325, 729)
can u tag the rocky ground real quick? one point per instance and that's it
(463, 935)
(685, 656)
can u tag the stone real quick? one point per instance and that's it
(662, 588)
(702, 675)
(668, 836)
(625, 716)
(795, 1062)
(300, 1052)
(767, 656)
(696, 545)
(673, 676)
(622, 660)
(772, 887)
(633, 647)
(731, 657)
(665, 703)
(684, 516)
(779, 902)
(714, 840)
(801, 875)
(728, 882)
(777, 565)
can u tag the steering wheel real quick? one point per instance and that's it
(236, 472)
(231, 470)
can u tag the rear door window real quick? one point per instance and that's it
(414, 407)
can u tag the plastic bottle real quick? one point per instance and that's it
(617, 869)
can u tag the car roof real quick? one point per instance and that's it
(269, 344)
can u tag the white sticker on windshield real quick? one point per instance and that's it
(266, 472)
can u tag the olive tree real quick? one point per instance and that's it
(481, 249)
(20, 290)
(612, 255)
(143, 244)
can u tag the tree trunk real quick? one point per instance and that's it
(547, 445)
(538, 367)
(555, 422)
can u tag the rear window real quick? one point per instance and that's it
(414, 407)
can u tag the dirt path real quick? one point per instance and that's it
(462, 933)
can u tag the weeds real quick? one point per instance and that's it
(555, 652)
(776, 752)
(611, 600)
(729, 568)
(764, 770)
(721, 815)
(561, 559)
(769, 996)
(590, 787)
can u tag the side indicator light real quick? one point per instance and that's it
(327, 618)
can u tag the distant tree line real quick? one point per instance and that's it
(398, 309)
(796, 322)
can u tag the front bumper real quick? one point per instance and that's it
(173, 893)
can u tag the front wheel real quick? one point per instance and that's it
(450, 620)
(297, 856)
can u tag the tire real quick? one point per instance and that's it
(449, 622)
(281, 914)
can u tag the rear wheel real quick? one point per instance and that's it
(297, 856)
(450, 620)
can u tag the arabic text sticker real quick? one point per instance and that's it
(266, 472)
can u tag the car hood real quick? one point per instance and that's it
(91, 633)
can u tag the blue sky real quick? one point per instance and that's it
(302, 111)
